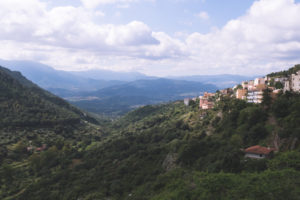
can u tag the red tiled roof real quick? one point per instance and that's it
(259, 150)
(39, 149)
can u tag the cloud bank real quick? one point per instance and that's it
(265, 38)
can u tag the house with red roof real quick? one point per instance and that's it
(258, 152)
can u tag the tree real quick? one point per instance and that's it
(20, 147)
(7, 172)
(279, 85)
(279, 105)
(285, 160)
(267, 99)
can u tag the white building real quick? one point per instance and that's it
(259, 81)
(255, 96)
(251, 85)
(186, 101)
(293, 84)
(258, 152)
(280, 79)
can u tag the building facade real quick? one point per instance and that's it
(258, 152)
(186, 101)
(241, 93)
(255, 96)
(259, 81)
(293, 83)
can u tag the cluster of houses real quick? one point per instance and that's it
(252, 91)
(205, 102)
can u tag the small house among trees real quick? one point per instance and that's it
(258, 152)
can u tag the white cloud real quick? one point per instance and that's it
(168, 47)
(32, 31)
(268, 34)
(95, 3)
(91, 4)
(266, 37)
(70, 27)
(203, 15)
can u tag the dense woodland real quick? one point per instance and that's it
(159, 152)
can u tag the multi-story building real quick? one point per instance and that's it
(261, 87)
(255, 96)
(251, 85)
(241, 93)
(293, 84)
(206, 101)
(208, 105)
(259, 81)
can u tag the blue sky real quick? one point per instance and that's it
(156, 37)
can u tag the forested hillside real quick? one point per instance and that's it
(35, 124)
(167, 151)
(24, 104)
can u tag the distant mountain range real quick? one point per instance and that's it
(114, 93)
(119, 99)
(107, 75)
(221, 81)
(47, 77)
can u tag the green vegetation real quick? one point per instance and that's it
(285, 73)
(25, 104)
(167, 151)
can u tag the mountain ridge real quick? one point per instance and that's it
(116, 100)
(28, 67)
(19, 94)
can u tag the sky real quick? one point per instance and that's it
(154, 37)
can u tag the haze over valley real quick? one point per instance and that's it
(112, 94)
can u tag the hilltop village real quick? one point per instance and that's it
(252, 90)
